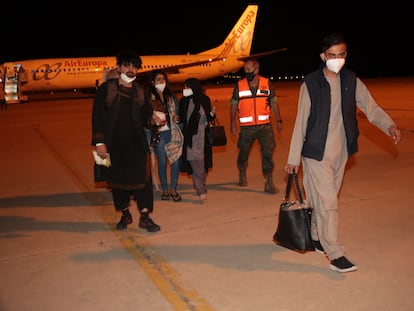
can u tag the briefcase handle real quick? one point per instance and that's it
(215, 121)
(289, 186)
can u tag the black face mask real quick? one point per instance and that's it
(250, 76)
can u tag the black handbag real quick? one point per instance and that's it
(216, 133)
(293, 228)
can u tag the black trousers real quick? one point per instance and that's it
(144, 198)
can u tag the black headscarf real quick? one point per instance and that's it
(200, 99)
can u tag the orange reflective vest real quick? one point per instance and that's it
(254, 108)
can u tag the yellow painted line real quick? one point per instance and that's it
(162, 274)
(165, 278)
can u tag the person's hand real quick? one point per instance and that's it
(102, 151)
(279, 126)
(233, 129)
(290, 168)
(157, 119)
(395, 133)
(176, 118)
(213, 111)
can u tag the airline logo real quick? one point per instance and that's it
(86, 63)
(46, 71)
(242, 35)
(71, 67)
(246, 23)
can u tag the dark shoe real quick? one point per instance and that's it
(269, 186)
(165, 195)
(318, 247)
(342, 265)
(145, 222)
(175, 196)
(126, 220)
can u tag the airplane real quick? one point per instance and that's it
(81, 73)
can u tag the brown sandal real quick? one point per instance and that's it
(175, 196)
(165, 195)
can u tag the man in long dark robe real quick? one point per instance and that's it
(120, 112)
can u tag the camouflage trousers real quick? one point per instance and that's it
(265, 136)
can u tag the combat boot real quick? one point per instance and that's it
(269, 186)
(242, 177)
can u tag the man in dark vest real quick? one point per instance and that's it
(325, 135)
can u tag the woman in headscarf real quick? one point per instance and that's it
(195, 113)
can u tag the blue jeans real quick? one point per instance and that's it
(165, 137)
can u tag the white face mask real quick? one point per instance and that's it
(160, 87)
(127, 79)
(187, 92)
(335, 64)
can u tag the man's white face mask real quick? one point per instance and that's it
(187, 92)
(335, 64)
(127, 77)
(160, 87)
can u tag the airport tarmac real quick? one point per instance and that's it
(60, 250)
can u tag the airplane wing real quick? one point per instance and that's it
(176, 68)
(259, 55)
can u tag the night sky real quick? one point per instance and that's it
(380, 36)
